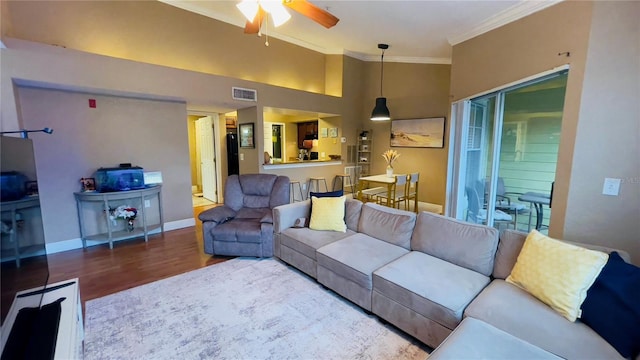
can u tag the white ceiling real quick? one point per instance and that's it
(419, 31)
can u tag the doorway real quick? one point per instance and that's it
(203, 159)
(506, 159)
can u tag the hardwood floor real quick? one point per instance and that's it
(132, 262)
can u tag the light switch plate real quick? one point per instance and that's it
(611, 186)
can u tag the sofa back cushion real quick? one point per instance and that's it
(352, 211)
(387, 224)
(471, 246)
(511, 242)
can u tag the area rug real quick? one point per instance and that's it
(238, 309)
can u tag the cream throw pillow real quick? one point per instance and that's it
(327, 213)
(557, 273)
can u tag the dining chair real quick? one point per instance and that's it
(505, 202)
(412, 191)
(399, 189)
(477, 213)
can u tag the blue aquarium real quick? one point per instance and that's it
(12, 186)
(119, 179)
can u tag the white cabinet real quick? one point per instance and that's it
(96, 223)
(70, 335)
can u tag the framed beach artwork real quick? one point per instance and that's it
(420, 133)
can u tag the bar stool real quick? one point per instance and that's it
(341, 178)
(292, 190)
(316, 180)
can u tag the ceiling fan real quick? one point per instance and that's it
(256, 12)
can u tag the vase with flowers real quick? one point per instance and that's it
(390, 156)
(125, 212)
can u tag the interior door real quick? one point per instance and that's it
(204, 133)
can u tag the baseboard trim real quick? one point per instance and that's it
(74, 244)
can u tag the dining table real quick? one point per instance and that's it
(382, 179)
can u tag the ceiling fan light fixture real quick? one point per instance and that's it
(380, 111)
(248, 8)
(279, 14)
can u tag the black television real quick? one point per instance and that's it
(24, 263)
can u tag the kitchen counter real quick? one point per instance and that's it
(301, 163)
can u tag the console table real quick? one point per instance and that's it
(13, 207)
(136, 198)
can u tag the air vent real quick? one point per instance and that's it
(244, 94)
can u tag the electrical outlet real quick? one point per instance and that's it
(304, 187)
(611, 186)
(147, 203)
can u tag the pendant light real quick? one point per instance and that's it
(381, 111)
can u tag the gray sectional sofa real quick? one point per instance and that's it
(436, 278)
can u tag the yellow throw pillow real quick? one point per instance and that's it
(328, 214)
(557, 273)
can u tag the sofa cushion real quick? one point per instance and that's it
(337, 193)
(307, 241)
(511, 242)
(519, 313)
(434, 288)
(328, 214)
(557, 273)
(352, 210)
(612, 306)
(387, 224)
(356, 257)
(475, 339)
(468, 245)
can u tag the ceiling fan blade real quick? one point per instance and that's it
(313, 12)
(254, 26)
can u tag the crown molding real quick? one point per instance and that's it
(399, 59)
(509, 15)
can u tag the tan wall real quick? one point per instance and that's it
(413, 91)
(156, 33)
(118, 130)
(531, 46)
(608, 142)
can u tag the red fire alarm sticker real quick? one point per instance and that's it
(92, 103)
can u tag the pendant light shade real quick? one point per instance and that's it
(381, 111)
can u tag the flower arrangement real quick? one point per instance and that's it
(390, 156)
(125, 212)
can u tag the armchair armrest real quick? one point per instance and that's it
(284, 216)
(267, 218)
(218, 214)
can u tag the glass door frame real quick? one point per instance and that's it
(459, 137)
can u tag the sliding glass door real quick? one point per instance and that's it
(505, 154)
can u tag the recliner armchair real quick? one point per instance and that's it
(243, 226)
